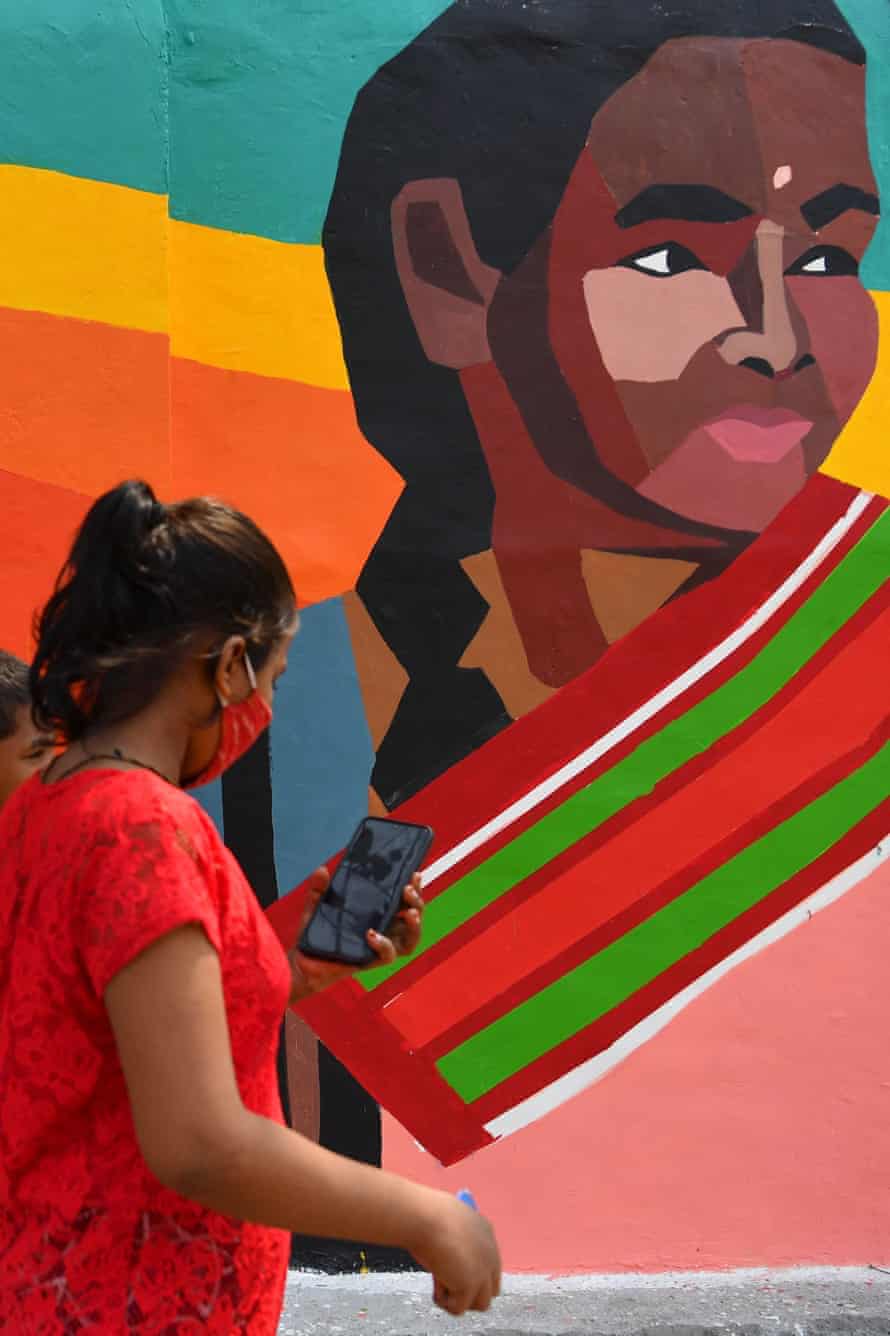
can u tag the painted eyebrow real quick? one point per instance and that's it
(690, 204)
(830, 204)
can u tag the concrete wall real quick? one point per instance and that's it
(568, 473)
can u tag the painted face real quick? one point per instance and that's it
(700, 282)
(21, 754)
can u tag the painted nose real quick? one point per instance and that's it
(769, 344)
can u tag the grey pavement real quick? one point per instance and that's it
(815, 1301)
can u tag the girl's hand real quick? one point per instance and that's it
(312, 975)
(461, 1251)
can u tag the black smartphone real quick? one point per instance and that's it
(365, 890)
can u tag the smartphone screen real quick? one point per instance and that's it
(366, 889)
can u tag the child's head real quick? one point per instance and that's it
(22, 748)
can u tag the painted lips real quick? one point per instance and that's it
(762, 435)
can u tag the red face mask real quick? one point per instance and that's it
(241, 725)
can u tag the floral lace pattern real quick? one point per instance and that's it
(92, 871)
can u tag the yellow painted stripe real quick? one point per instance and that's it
(250, 304)
(861, 456)
(74, 247)
(94, 251)
(82, 248)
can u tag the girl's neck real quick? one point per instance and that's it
(151, 740)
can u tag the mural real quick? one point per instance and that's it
(544, 338)
(651, 360)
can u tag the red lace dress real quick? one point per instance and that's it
(92, 870)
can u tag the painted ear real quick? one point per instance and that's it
(447, 287)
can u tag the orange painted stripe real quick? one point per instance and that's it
(83, 404)
(39, 521)
(292, 456)
(804, 737)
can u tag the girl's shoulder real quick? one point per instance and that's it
(116, 804)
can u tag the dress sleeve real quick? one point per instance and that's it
(145, 877)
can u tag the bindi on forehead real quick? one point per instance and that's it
(751, 118)
(808, 109)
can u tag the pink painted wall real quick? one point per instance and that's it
(753, 1131)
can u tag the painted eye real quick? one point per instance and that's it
(825, 262)
(663, 261)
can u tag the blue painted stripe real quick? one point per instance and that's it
(321, 747)
(210, 798)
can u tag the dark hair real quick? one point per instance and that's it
(498, 94)
(142, 584)
(14, 691)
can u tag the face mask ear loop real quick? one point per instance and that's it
(240, 726)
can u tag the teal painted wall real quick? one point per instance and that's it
(871, 20)
(259, 104)
(255, 97)
(69, 69)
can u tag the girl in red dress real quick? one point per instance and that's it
(147, 1180)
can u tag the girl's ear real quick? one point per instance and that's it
(230, 656)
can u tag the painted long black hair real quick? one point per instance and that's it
(498, 94)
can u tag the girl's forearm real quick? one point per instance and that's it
(273, 1176)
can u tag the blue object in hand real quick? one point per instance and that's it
(466, 1196)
